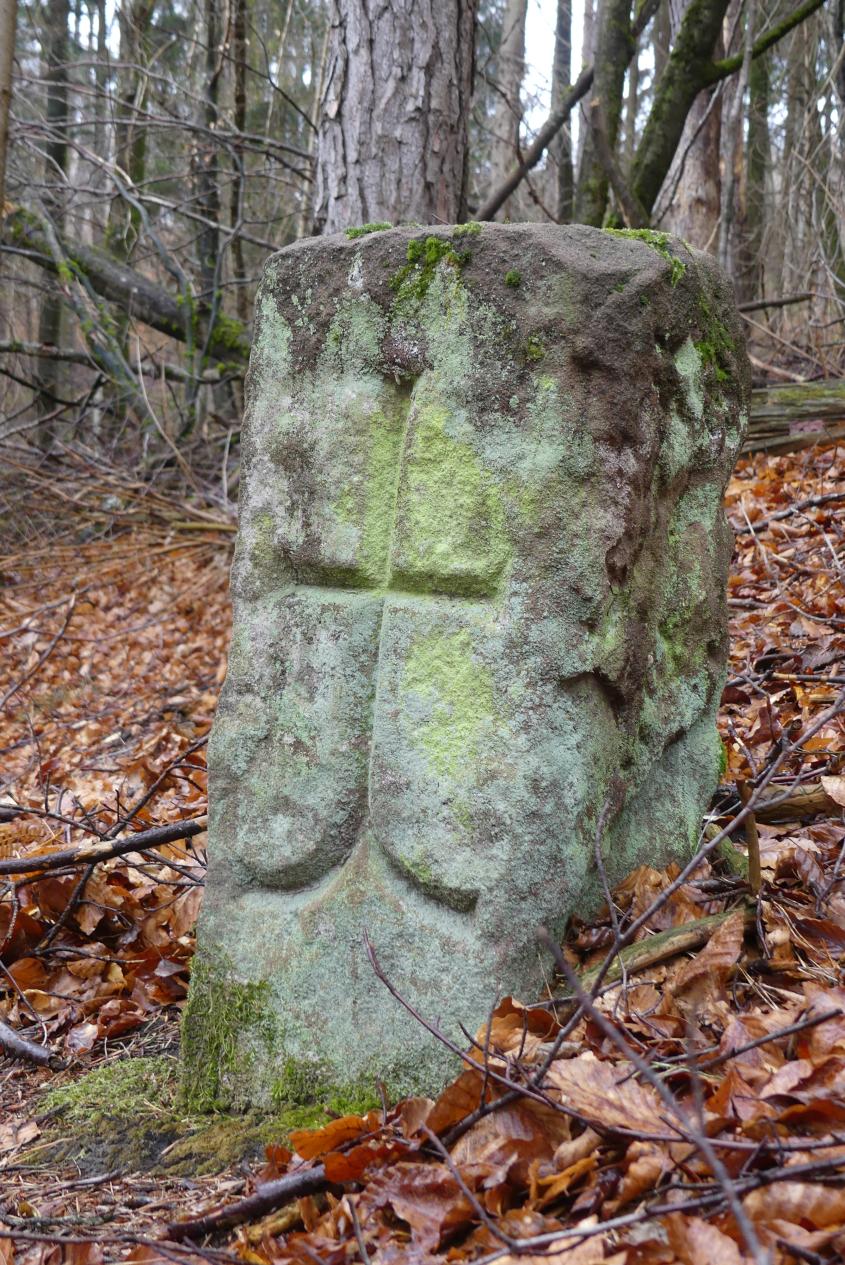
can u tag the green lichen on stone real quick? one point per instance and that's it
(387, 434)
(688, 361)
(227, 1026)
(453, 520)
(412, 282)
(442, 669)
(363, 230)
(470, 229)
(657, 241)
(513, 278)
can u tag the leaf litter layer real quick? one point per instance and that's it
(682, 1098)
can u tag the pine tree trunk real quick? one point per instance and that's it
(8, 24)
(758, 158)
(392, 141)
(561, 147)
(507, 116)
(55, 171)
(614, 46)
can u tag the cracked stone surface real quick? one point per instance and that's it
(479, 604)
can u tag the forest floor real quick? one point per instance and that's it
(687, 1106)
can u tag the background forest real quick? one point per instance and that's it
(156, 152)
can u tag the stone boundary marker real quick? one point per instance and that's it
(479, 607)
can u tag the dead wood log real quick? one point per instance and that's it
(135, 294)
(775, 409)
(17, 1047)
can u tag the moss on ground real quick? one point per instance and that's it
(129, 1114)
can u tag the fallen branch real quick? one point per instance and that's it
(659, 948)
(757, 304)
(810, 502)
(131, 291)
(106, 849)
(266, 1199)
(800, 805)
(17, 1047)
(76, 356)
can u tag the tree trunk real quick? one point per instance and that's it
(693, 187)
(632, 101)
(239, 52)
(130, 291)
(8, 24)
(758, 158)
(662, 38)
(507, 116)
(208, 176)
(733, 152)
(561, 147)
(55, 172)
(130, 139)
(614, 46)
(684, 77)
(392, 141)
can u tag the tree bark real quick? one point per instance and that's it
(208, 175)
(689, 69)
(8, 25)
(758, 158)
(239, 56)
(561, 147)
(55, 175)
(614, 49)
(507, 116)
(733, 151)
(392, 141)
(130, 139)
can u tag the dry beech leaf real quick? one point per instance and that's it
(17, 1133)
(703, 978)
(607, 1094)
(426, 1196)
(801, 1202)
(835, 788)
(458, 1100)
(696, 1242)
(309, 1143)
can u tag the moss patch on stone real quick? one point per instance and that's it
(227, 1026)
(717, 346)
(363, 230)
(513, 278)
(424, 255)
(657, 241)
(310, 1087)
